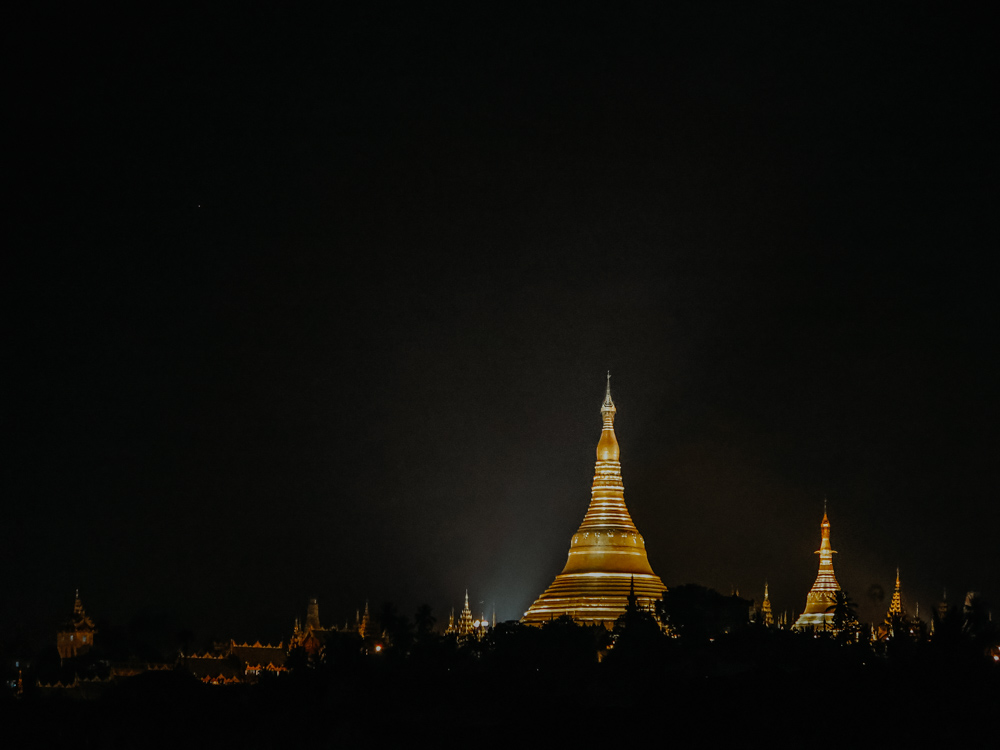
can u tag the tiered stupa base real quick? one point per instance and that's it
(593, 598)
(814, 621)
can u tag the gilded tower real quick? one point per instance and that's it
(765, 609)
(823, 595)
(465, 619)
(896, 605)
(896, 617)
(606, 553)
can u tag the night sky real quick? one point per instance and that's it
(322, 306)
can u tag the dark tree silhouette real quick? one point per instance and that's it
(845, 617)
(424, 620)
(697, 612)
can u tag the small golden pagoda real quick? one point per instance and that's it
(465, 619)
(765, 609)
(823, 595)
(896, 605)
(607, 552)
(895, 617)
(466, 625)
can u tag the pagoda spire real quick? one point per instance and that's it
(765, 608)
(606, 552)
(823, 595)
(896, 605)
(365, 628)
(465, 619)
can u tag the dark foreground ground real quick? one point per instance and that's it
(649, 699)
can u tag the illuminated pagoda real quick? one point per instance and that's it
(76, 636)
(823, 595)
(896, 622)
(464, 626)
(896, 605)
(465, 619)
(606, 553)
(765, 609)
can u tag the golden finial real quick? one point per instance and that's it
(607, 448)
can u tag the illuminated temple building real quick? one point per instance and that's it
(76, 636)
(313, 635)
(606, 554)
(823, 595)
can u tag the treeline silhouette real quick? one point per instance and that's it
(717, 677)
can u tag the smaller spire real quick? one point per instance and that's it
(765, 608)
(608, 406)
(896, 604)
(465, 619)
(631, 600)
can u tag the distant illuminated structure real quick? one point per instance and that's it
(823, 595)
(465, 619)
(606, 553)
(313, 636)
(364, 625)
(76, 636)
(896, 618)
(465, 626)
(896, 605)
(234, 663)
(765, 609)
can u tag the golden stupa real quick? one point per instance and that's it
(823, 596)
(607, 555)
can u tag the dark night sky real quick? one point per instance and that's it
(322, 305)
